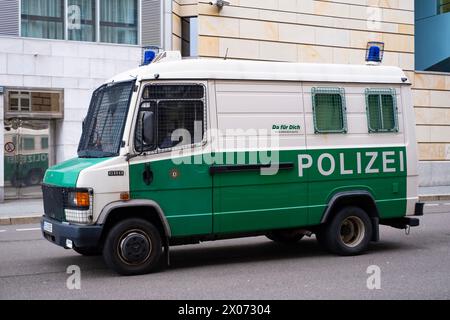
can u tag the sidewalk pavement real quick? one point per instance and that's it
(26, 211)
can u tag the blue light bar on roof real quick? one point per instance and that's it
(149, 55)
(375, 52)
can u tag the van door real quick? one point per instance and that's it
(173, 173)
(259, 123)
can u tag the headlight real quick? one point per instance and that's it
(78, 208)
(78, 199)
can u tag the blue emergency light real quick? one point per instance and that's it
(375, 52)
(148, 57)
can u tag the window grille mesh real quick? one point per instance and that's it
(180, 114)
(329, 110)
(381, 110)
(158, 92)
(102, 133)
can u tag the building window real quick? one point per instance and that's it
(19, 101)
(443, 6)
(189, 36)
(118, 21)
(51, 19)
(43, 19)
(381, 110)
(81, 20)
(32, 103)
(329, 110)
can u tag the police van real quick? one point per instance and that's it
(185, 151)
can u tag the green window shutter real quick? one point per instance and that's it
(329, 110)
(381, 110)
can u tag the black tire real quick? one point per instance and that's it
(348, 233)
(88, 251)
(285, 236)
(133, 247)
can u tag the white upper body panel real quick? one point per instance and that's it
(259, 70)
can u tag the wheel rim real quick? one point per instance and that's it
(352, 231)
(134, 247)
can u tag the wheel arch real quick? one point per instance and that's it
(358, 198)
(146, 209)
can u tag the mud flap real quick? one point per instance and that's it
(375, 229)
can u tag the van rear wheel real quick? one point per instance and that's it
(133, 247)
(348, 233)
(285, 236)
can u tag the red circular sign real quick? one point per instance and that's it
(10, 147)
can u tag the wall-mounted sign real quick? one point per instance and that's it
(10, 147)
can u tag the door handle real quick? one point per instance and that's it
(147, 175)
(248, 168)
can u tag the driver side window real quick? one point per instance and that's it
(179, 117)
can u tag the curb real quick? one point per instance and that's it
(32, 219)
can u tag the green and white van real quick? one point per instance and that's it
(185, 151)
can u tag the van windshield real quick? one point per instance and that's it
(105, 121)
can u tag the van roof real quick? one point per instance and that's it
(261, 70)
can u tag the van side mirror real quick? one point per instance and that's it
(146, 124)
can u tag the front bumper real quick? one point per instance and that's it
(81, 236)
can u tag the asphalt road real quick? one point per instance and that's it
(412, 267)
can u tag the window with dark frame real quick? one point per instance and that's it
(329, 110)
(22, 102)
(42, 19)
(381, 110)
(118, 21)
(180, 115)
(46, 19)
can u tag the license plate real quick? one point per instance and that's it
(48, 227)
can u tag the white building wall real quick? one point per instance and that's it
(76, 67)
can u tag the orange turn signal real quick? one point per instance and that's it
(124, 196)
(82, 199)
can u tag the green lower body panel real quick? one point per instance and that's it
(197, 202)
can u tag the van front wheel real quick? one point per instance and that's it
(348, 233)
(133, 247)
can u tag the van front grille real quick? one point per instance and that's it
(54, 200)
